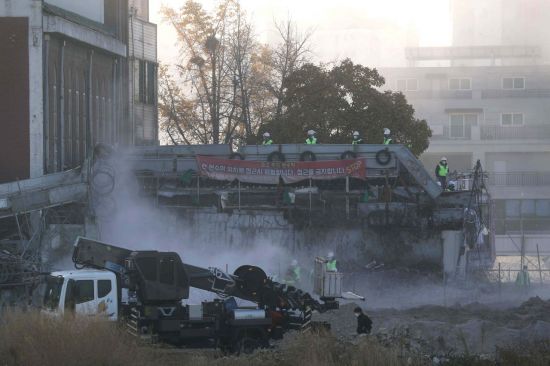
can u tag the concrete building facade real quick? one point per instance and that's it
(491, 102)
(68, 69)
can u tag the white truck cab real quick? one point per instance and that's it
(86, 291)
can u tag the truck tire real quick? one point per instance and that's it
(348, 155)
(383, 157)
(276, 156)
(236, 156)
(308, 156)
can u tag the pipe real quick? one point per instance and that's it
(88, 140)
(61, 114)
(46, 105)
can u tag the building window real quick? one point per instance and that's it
(513, 83)
(460, 84)
(543, 208)
(511, 119)
(145, 79)
(460, 125)
(526, 208)
(407, 84)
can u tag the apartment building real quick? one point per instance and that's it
(490, 101)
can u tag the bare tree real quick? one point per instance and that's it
(227, 84)
(289, 55)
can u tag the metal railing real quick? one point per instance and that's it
(537, 132)
(464, 133)
(517, 179)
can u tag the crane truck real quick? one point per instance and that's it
(148, 291)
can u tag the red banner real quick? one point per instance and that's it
(266, 172)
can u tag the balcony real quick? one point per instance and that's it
(515, 132)
(444, 132)
(518, 179)
(515, 93)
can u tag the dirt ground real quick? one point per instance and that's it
(423, 314)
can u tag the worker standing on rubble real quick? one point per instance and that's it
(311, 139)
(387, 137)
(441, 172)
(293, 274)
(356, 138)
(364, 323)
(331, 262)
(267, 139)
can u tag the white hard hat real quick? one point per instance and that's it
(266, 134)
(387, 131)
(443, 159)
(311, 132)
(355, 133)
(294, 262)
(330, 255)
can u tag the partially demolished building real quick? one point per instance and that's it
(368, 202)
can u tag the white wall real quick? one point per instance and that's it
(91, 9)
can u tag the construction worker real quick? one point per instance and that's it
(387, 137)
(331, 262)
(364, 324)
(293, 273)
(522, 279)
(311, 139)
(267, 139)
(441, 172)
(356, 138)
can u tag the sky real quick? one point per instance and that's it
(381, 27)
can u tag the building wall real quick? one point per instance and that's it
(515, 158)
(142, 85)
(80, 114)
(91, 9)
(24, 107)
(14, 94)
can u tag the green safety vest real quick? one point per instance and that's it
(358, 141)
(268, 142)
(443, 170)
(387, 141)
(293, 275)
(311, 140)
(331, 266)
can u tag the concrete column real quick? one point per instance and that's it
(36, 112)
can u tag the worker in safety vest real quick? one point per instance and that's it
(331, 262)
(267, 139)
(293, 274)
(522, 279)
(441, 172)
(356, 138)
(387, 137)
(311, 139)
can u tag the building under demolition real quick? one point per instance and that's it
(75, 74)
(367, 202)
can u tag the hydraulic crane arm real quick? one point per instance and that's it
(146, 268)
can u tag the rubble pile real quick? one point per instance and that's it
(439, 331)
